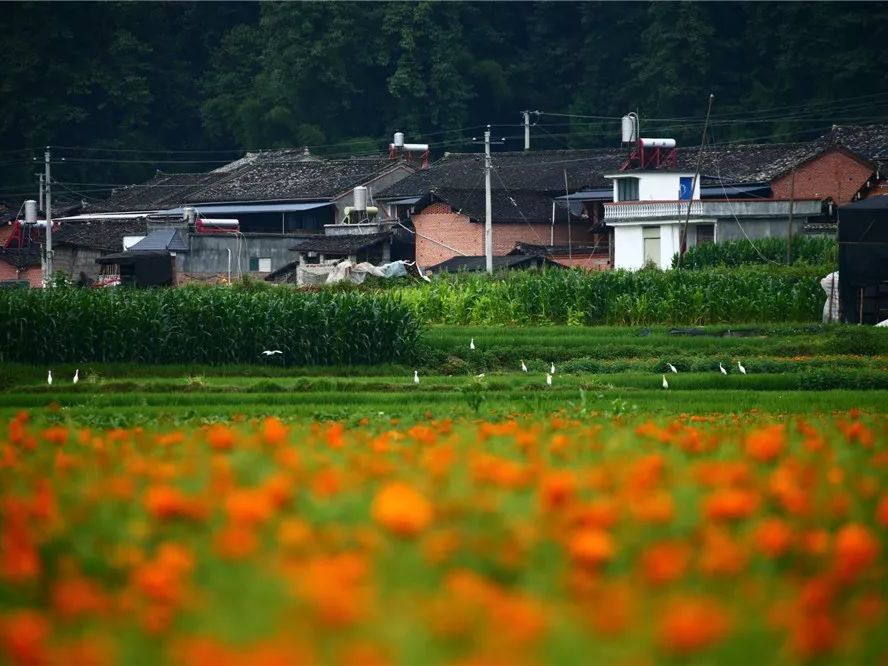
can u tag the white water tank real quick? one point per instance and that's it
(629, 132)
(399, 140)
(188, 214)
(30, 212)
(360, 198)
(658, 143)
(416, 147)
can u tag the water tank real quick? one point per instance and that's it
(629, 130)
(416, 147)
(30, 212)
(658, 143)
(360, 198)
(399, 140)
(188, 214)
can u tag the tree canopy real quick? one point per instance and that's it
(126, 88)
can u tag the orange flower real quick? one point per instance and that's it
(557, 489)
(765, 444)
(591, 547)
(248, 507)
(273, 431)
(401, 509)
(665, 562)
(78, 596)
(57, 435)
(855, 549)
(169, 502)
(731, 504)
(220, 437)
(236, 542)
(24, 638)
(773, 537)
(882, 512)
(692, 624)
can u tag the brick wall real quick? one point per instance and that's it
(33, 275)
(833, 174)
(437, 225)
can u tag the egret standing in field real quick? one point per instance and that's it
(548, 379)
(552, 368)
(416, 377)
(472, 344)
(272, 352)
(49, 378)
(741, 368)
(523, 366)
(665, 383)
(77, 375)
(722, 368)
(672, 367)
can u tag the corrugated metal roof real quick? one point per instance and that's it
(247, 208)
(161, 239)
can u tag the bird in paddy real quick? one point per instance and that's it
(272, 352)
(523, 366)
(722, 368)
(672, 367)
(552, 369)
(472, 344)
(665, 383)
(481, 376)
(49, 378)
(548, 379)
(416, 376)
(741, 368)
(77, 375)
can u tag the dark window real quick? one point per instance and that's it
(705, 233)
(627, 189)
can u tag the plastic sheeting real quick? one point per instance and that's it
(354, 273)
(830, 285)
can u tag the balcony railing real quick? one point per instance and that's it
(626, 211)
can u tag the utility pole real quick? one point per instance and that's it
(683, 236)
(40, 192)
(791, 211)
(48, 211)
(526, 130)
(488, 205)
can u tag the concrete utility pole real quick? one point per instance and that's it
(791, 211)
(488, 205)
(48, 210)
(40, 192)
(526, 130)
(683, 236)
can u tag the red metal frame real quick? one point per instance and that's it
(650, 158)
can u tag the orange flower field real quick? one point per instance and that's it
(729, 540)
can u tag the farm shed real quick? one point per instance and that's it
(863, 260)
(151, 268)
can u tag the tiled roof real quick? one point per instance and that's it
(339, 244)
(161, 239)
(105, 235)
(513, 206)
(163, 191)
(479, 263)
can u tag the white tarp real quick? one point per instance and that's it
(830, 285)
(883, 323)
(346, 270)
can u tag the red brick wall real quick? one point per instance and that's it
(437, 224)
(834, 174)
(33, 275)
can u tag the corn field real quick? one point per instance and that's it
(806, 250)
(645, 297)
(200, 325)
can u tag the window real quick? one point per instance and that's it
(260, 264)
(627, 189)
(685, 188)
(705, 233)
(651, 237)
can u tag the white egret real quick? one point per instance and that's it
(741, 368)
(77, 375)
(552, 368)
(272, 352)
(672, 368)
(722, 368)
(665, 383)
(472, 344)
(416, 376)
(523, 366)
(548, 379)
(481, 376)
(49, 378)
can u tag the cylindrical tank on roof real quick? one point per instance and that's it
(30, 212)
(399, 140)
(658, 143)
(416, 147)
(629, 133)
(188, 214)
(360, 198)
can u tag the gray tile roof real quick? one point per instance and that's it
(161, 239)
(340, 244)
(105, 235)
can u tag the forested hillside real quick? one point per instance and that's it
(340, 77)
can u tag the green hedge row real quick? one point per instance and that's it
(806, 250)
(711, 296)
(204, 325)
